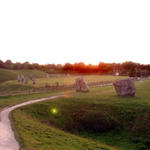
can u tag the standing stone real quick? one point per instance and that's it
(22, 78)
(57, 84)
(47, 75)
(19, 78)
(125, 87)
(117, 73)
(33, 81)
(81, 85)
(31, 77)
(68, 75)
(26, 80)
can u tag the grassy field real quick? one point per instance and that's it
(78, 121)
(7, 75)
(82, 121)
(68, 80)
(6, 101)
(9, 84)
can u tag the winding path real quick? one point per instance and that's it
(7, 137)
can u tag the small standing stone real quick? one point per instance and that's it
(47, 75)
(81, 85)
(19, 78)
(33, 81)
(22, 78)
(31, 77)
(117, 73)
(26, 80)
(57, 84)
(125, 87)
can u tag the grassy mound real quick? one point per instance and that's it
(39, 136)
(99, 115)
(6, 74)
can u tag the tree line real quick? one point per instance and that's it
(126, 68)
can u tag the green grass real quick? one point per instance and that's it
(122, 122)
(6, 101)
(65, 80)
(34, 135)
(12, 86)
(7, 74)
(99, 116)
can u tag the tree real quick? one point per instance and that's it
(128, 66)
(68, 67)
(132, 73)
(9, 64)
(2, 64)
(105, 68)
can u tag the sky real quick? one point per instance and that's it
(89, 31)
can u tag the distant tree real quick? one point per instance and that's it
(17, 66)
(132, 73)
(105, 68)
(128, 66)
(59, 67)
(80, 67)
(26, 65)
(2, 64)
(8, 64)
(36, 66)
(68, 67)
(148, 69)
(92, 68)
(138, 73)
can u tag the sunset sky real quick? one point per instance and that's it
(59, 31)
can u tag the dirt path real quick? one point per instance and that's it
(7, 138)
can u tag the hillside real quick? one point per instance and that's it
(7, 74)
(99, 115)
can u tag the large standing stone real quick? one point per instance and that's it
(125, 87)
(81, 85)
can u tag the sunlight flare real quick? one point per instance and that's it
(54, 111)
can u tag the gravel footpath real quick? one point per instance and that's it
(7, 137)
